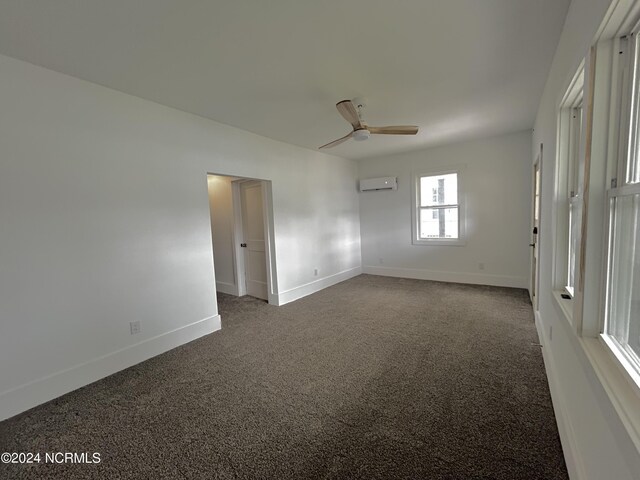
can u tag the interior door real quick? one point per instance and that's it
(535, 233)
(255, 260)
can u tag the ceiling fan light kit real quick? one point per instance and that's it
(361, 131)
(361, 135)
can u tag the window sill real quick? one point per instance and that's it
(621, 360)
(617, 385)
(440, 242)
(565, 304)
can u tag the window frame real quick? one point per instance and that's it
(415, 207)
(568, 187)
(574, 189)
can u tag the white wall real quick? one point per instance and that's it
(595, 442)
(497, 178)
(104, 219)
(221, 207)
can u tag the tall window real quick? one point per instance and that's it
(573, 193)
(438, 210)
(597, 210)
(622, 310)
(569, 190)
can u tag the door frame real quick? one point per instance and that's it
(270, 252)
(534, 288)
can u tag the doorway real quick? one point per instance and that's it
(535, 229)
(242, 236)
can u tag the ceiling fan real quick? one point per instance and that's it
(362, 131)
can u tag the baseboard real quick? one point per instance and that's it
(24, 397)
(567, 435)
(315, 286)
(454, 277)
(228, 288)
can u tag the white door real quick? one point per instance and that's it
(253, 243)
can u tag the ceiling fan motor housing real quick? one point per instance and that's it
(361, 135)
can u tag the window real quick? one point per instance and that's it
(438, 209)
(573, 198)
(596, 255)
(569, 190)
(622, 296)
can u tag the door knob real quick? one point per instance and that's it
(532, 244)
(243, 245)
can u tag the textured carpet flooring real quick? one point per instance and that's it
(372, 378)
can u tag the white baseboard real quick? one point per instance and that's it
(229, 288)
(567, 435)
(454, 277)
(28, 395)
(315, 286)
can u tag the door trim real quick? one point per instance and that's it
(270, 245)
(535, 268)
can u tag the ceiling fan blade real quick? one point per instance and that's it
(397, 130)
(338, 141)
(348, 110)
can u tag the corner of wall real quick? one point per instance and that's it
(29, 395)
(312, 287)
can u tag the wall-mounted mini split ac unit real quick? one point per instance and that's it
(383, 183)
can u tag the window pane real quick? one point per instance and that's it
(574, 215)
(439, 190)
(623, 292)
(632, 173)
(575, 132)
(536, 202)
(439, 223)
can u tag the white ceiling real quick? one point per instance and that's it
(459, 69)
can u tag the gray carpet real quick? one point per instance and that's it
(372, 378)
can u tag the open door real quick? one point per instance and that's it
(535, 230)
(253, 243)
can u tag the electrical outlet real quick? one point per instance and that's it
(315, 272)
(135, 327)
(481, 266)
(380, 260)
